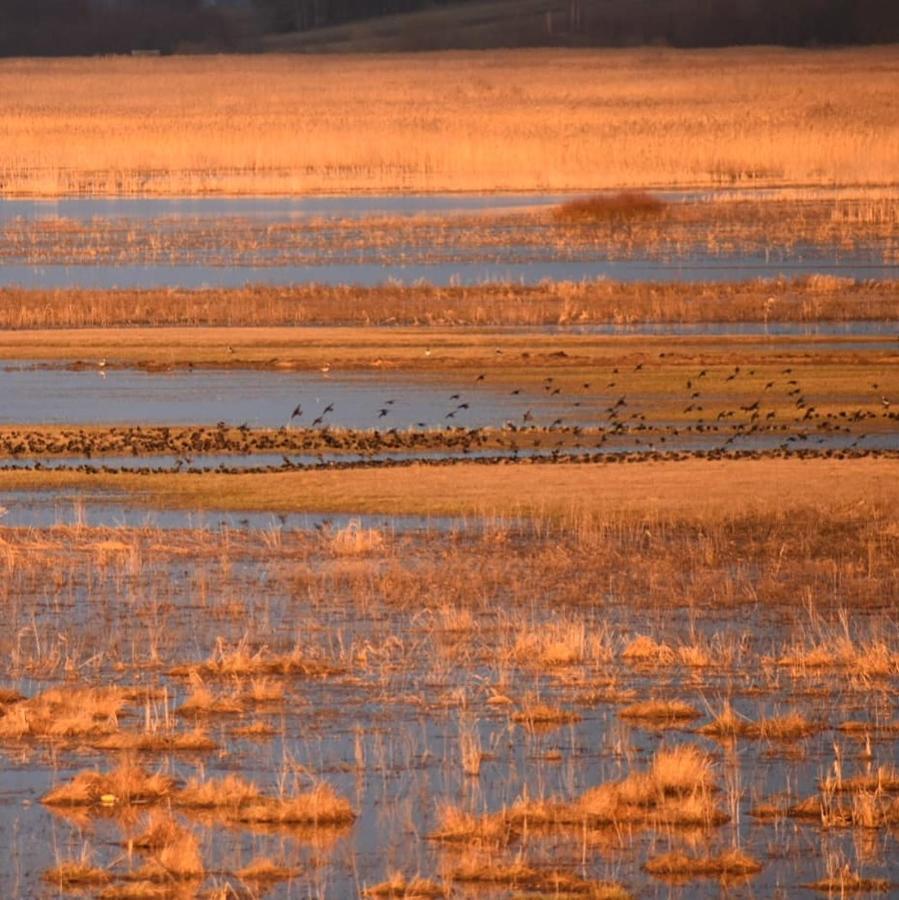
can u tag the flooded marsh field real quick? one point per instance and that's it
(324, 711)
(530, 544)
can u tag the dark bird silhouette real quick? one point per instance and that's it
(327, 409)
(297, 412)
(382, 413)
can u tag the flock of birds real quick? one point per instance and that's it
(562, 422)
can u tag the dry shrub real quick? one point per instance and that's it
(457, 826)
(76, 873)
(8, 696)
(478, 869)
(65, 712)
(217, 793)
(844, 880)
(398, 887)
(354, 540)
(729, 724)
(677, 790)
(534, 714)
(618, 207)
(145, 890)
(872, 659)
(643, 649)
(264, 869)
(320, 806)
(203, 701)
(254, 730)
(179, 859)
(729, 863)
(128, 783)
(551, 644)
(159, 830)
(883, 778)
(196, 740)
(660, 710)
(241, 662)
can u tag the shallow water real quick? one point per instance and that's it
(226, 243)
(106, 509)
(103, 276)
(264, 398)
(386, 735)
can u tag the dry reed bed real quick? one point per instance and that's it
(617, 227)
(813, 299)
(448, 121)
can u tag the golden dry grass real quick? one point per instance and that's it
(845, 880)
(680, 865)
(817, 298)
(692, 489)
(448, 121)
(660, 711)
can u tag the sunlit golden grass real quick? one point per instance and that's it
(816, 298)
(680, 865)
(845, 880)
(535, 714)
(263, 869)
(399, 887)
(230, 797)
(72, 874)
(448, 121)
(126, 784)
(660, 711)
(624, 206)
(675, 490)
(480, 870)
(678, 789)
(65, 713)
(790, 726)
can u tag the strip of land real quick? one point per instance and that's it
(693, 488)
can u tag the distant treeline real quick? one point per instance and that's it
(684, 23)
(77, 27)
(84, 27)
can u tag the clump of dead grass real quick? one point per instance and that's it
(65, 713)
(398, 887)
(845, 880)
(265, 870)
(76, 874)
(203, 701)
(660, 711)
(478, 869)
(679, 865)
(610, 208)
(240, 661)
(678, 789)
(535, 714)
(126, 784)
(195, 741)
(354, 540)
(240, 801)
(644, 649)
(730, 724)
